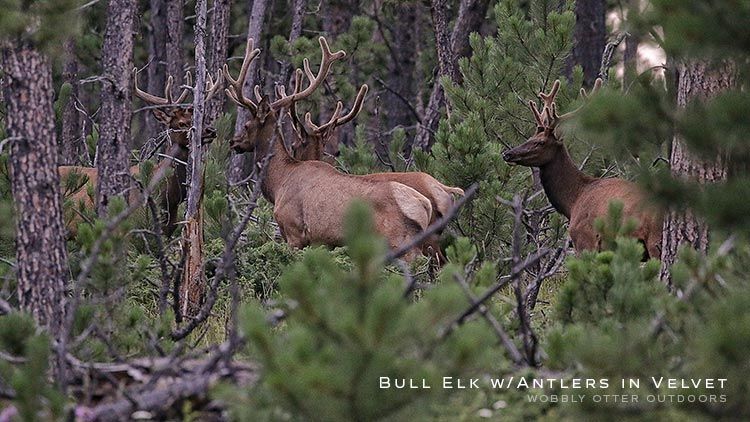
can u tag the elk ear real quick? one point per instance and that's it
(163, 115)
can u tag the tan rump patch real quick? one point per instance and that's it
(413, 204)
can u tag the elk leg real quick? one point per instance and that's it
(431, 248)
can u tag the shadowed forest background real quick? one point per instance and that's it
(143, 274)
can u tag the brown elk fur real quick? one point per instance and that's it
(313, 140)
(311, 198)
(178, 120)
(578, 196)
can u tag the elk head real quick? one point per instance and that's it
(172, 113)
(263, 114)
(313, 141)
(545, 144)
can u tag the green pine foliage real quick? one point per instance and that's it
(490, 112)
(346, 329)
(45, 23)
(28, 379)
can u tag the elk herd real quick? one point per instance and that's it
(310, 196)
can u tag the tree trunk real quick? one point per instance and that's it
(217, 54)
(589, 39)
(114, 139)
(630, 57)
(401, 77)
(336, 19)
(698, 81)
(240, 165)
(175, 33)
(73, 143)
(470, 11)
(471, 15)
(41, 257)
(337, 16)
(157, 58)
(298, 16)
(192, 287)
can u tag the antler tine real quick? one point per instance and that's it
(548, 99)
(597, 84)
(326, 62)
(234, 92)
(308, 72)
(537, 114)
(168, 89)
(212, 87)
(186, 90)
(280, 91)
(356, 108)
(331, 123)
(145, 96)
(293, 105)
(258, 94)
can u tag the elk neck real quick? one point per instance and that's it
(278, 168)
(563, 182)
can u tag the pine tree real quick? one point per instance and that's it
(490, 111)
(41, 257)
(114, 142)
(348, 331)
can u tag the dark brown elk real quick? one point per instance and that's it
(311, 197)
(578, 196)
(178, 120)
(311, 145)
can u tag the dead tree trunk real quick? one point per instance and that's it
(298, 17)
(41, 257)
(401, 77)
(114, 139)
(239, 166)
(175, 54)
(217, 53)
(192, 287)
(697, 82)
(469, 11)
(72, 143)
(157, 58)
(589, 39)
(336, 19)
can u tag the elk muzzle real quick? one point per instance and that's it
(512, 156)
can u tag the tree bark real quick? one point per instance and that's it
(157, 58)
(240, 165)
(192, 287)
(589, 39)
(298, 16)
(337, 15)
(470, 11)
(114, 140)
(217, 53)
(401, 77)
(336, 19)
(41, 257)
(73, 143)
(630, 57)
(698, 81)
(174, 50)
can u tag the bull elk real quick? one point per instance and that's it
(178, 119)
(311, 145)
(580, 197)
(311, 197)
